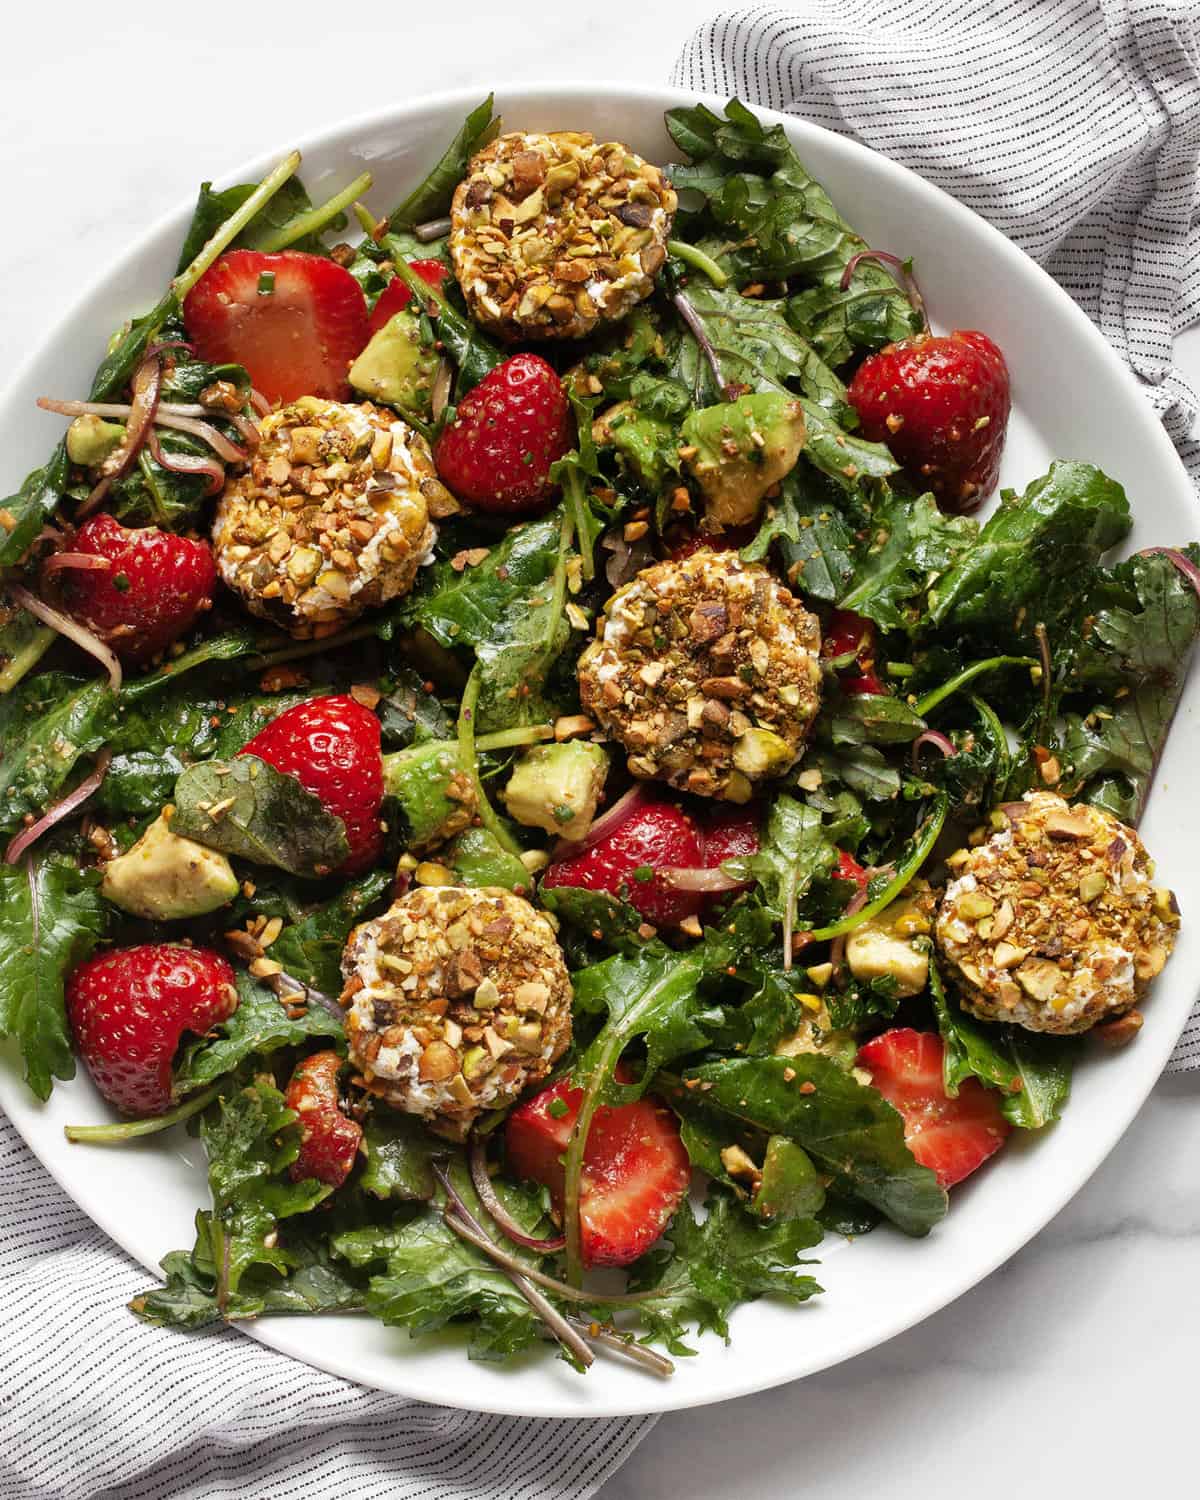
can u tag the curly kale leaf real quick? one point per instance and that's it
(705, 1268)
(51, 917)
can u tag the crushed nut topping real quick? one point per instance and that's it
(1054, 922)
(458, 999)
(552, 234)
(707, 671)
(329, 518)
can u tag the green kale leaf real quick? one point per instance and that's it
(910, 544)
(261, 815)
(705, 1268)
(430, 199)
(849, 1130)
(51, 917)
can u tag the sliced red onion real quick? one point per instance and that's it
(147, 386)
(902, 273)
(207, 433)
(83, 561)
(435, 229)
(1178, 559)
(837, 946)
(187, 463)
(932, 737)
(246, 426)
(72, 630)
(164, 344)
(61, 809)
(259, 402)
(608, 822)
(491, 1201)
(713, 881)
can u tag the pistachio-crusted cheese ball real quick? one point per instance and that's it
(553, 234)
(1055, 923)
(707, 672)
(457, 999)
(330, 517)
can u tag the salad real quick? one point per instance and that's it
(512, 729)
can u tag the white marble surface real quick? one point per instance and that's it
(1072, 1370)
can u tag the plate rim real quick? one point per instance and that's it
(1159, 1044)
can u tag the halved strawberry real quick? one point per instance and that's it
(635, 1169)
(848, 868)
(952, 1136)
(396, 296)
(295, 321)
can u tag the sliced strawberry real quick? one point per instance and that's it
(395, 297)
(656, 836)
(952, 1136)
(848, 868)
(730, 832)
(684, 544)
(295, 321)
(846, 632)
(863, 684)
(329, 1139)
(635, 1168)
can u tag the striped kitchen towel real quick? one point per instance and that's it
(92, 1402)
(1072, 125)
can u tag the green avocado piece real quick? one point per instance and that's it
(557, 787)
(477, 858)
(396, 366)
(164, 877)
(91, 439)
(645, 444)
(436, 798)
(739, 449)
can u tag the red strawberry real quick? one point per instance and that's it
(847, 632)
(332, 747)
(506, 433)
(730, 832)
(295, 321)
(149, 595)
(329, 1140)
(953, 1136)
(129, 1008)
(635, 1168)
(941, 405)
(848, 868)
(395, 297)
(655, 836)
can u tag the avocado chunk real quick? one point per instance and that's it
(433, 795)
(396, 366)
(645, 445)
(739, 449)
(887, 947)
(557, 787)
(91, 439)
(164, 877)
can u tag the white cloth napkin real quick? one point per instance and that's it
(1072, 125)
(92, 1402)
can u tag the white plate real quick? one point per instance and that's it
(1073, 399)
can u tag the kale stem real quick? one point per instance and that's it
(576, 506)
(697, 259)
(558, 598)
(937, 695)
(624, 1344)
(530, 734)
(310, 648)
(233, 226)
(576, 1147)
(128, 1130)
(921, 852)
(686, 309)
(27, 657)
(423, 292)
(470, 764)
(315, 219)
